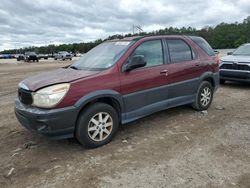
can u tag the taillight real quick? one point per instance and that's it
(217, 60)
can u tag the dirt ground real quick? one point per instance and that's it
(174, 148)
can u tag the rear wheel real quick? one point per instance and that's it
(204, 96)
(97, 125)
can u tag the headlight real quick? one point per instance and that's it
(50, 96)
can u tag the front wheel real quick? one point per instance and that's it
(204, 96)
(97, 125)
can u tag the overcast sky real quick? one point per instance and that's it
(42, 22)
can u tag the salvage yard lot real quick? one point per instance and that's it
(175, 148)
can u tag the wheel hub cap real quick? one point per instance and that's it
(100, 126)
(205, 96)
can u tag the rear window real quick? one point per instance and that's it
(179, 51)
(203, 44)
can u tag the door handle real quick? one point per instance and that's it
(197, 64)
(164, 72)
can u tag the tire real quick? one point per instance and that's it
(55, 59)
(89, 128)
(222, 81)
(204, 96)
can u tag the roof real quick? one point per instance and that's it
(135, 38)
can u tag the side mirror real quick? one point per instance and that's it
(137, 61)
(229, 53)
(216, 52)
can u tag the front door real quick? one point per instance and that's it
(146, 86)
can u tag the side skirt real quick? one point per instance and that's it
(156, 107)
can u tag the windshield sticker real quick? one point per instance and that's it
(122, 43)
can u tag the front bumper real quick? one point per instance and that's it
(55, 123)
(235, 75)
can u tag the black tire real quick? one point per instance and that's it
(55, 59)
(198, 104)
(84, 121)
(222, 81)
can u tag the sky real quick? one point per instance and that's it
(42, 22)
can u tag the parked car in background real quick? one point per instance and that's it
(63, 55)
(43, 56)
(7, 56)
(20, 57)
(30, 56)
(117, 82)
(236, 65)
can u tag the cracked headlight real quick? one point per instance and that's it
(50, 96)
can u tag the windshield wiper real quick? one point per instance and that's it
(74, 67)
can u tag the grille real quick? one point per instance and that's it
(25, 96)
(235, 66)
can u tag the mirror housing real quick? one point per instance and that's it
(137, 61)
(216, 52)
(229, 53)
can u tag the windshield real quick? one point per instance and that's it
(243, 50)
(30, 53)
(102, 56)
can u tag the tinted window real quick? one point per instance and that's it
(152, 52)
(203, 44)
(179, 51)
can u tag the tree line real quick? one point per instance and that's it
(222, 36)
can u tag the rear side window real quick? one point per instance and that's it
(152, 52)
(203, 44)
(179, 51)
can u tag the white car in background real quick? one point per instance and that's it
(236, 65)
(63, 55)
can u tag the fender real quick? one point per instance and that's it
(100, 94)
(210, 75)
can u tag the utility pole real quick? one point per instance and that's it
(138, 27)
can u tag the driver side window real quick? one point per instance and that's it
(152, 52)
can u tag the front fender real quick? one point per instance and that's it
(97, 95)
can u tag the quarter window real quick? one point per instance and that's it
(179, 51)
(152, 52)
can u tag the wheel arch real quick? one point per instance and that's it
(110, 97)
(210, 77)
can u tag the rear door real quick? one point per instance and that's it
(184, 68)
(147, 85)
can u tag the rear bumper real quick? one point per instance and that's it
(235, 75)
(55, 123)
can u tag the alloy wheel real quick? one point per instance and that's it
(100, 126)
(205, 96)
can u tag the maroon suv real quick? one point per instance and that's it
(117, 82)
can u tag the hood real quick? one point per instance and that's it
(62, 75)
(236, 58)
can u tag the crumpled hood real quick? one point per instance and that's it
(61, 75)
(236, 58)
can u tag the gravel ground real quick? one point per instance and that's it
(178, 147)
